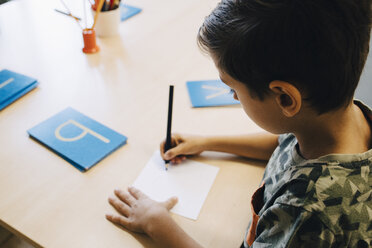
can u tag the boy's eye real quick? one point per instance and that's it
(232, 92)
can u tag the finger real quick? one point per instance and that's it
(174, 161)
(117, 219)
(169, 204)
(125, 197)
(175, 140)
(120, 206)
(162, 151)
(178, 160)
(174, 143)
(174, 152)
(136, 193)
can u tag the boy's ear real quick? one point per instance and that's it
(287, 96)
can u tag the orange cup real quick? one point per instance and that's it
(90, 45)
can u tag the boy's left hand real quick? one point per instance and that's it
(138, 212)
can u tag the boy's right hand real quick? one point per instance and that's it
(182, 145)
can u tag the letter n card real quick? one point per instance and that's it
(81, 141)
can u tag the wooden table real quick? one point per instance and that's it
(125, 86)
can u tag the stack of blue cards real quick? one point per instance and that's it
(209, 93)
(127, 11)
(14, 85)
(81, 141)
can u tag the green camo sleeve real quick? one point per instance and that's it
(288, 226)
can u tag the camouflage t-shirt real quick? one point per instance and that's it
(325, 202)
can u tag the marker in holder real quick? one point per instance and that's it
(90, 45)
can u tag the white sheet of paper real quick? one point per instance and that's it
(190, 181)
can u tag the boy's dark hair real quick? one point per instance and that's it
(320, 46)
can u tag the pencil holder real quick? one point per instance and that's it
(108, 22)
(90, 45)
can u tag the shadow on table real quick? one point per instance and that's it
(143, 239)
(218, 157)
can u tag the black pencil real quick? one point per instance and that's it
(168, 140)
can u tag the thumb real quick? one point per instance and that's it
(169, 204)
(174, 152)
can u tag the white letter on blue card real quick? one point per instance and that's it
(84, 129)
(6, 82)
(221, 91)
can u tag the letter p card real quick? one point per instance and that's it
(78, 139)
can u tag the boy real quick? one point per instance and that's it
(294, 66)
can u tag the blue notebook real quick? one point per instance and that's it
(209, 93)
(14, 85)
(127, 11)
(81, 141)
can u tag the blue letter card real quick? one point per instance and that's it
(13, 86)
(127, 11)
(210, 93)
(78, 139)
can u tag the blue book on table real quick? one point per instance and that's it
(127, 11)
(209, 93)
(81, 141)
(14, 85)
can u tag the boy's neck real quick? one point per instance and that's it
(345, 131)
